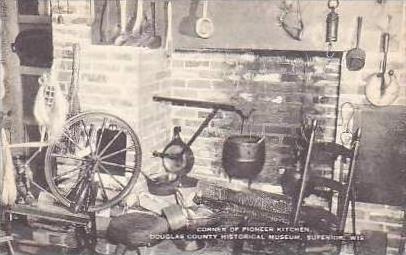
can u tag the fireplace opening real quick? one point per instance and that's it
(284, 87)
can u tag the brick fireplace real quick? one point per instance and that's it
(284, 87)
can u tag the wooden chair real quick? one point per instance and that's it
(319, 219)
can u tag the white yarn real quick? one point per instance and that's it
(9, 192)
(50, 117)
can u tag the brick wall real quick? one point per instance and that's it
(283, 87)
(116, 79)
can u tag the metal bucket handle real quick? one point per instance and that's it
(250, 124)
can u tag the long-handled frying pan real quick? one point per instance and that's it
(383, 87)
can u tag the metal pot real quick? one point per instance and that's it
(162, 185)
(244, 156)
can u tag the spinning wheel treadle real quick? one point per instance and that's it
(95, 147)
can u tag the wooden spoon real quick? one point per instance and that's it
(168, 39)
(204, 26)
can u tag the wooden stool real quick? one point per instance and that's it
(131, 231)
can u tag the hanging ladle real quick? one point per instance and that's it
(156, 40)
(355, 58)
(204, 26)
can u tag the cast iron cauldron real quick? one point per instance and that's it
(243, 156)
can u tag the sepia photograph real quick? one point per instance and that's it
(194, 127)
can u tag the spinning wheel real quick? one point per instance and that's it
(98, 148)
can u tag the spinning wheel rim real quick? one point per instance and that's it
(95, 163)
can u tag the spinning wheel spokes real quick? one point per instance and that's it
(59, 177)
(104, 193)
(68, 157)
(111, 175)
(117, 152)
(101, 135)
(117, 165)
(72, 140)
(91, 151)
(110, 143)
(88, 136)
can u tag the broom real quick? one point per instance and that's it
(9, 192)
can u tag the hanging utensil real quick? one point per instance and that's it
(204, 26)
(355, 58)
(139, 18)
(383, 87)
(293, 30)
(168, 40)
(244, 156)
(123, 24)
(91, 11)
(332, 22)
(123, 16)
(177, 156)
(156, 41)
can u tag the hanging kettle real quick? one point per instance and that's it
(177, 156)
(244, 156)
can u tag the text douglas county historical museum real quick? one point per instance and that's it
(255, 233)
